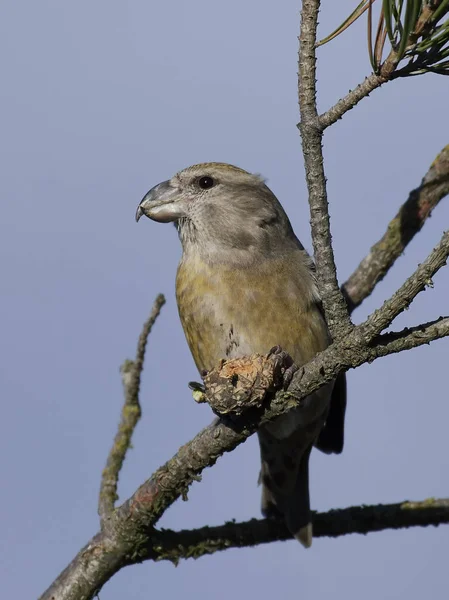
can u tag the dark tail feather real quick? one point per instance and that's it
(285, 482)
(297, 508)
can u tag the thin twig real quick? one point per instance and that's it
(131, 373)
(400, 231)
(334, 305)
(336, 112)
(381, 318)
(412, 337)
(387, 72)
(364, 89)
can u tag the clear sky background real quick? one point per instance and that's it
(99, 102)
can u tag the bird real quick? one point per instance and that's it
(244, 285)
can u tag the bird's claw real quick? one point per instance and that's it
(285, 361)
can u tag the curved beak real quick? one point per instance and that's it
(161, 204)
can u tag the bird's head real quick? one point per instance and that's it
(220, 210)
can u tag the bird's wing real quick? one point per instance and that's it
(332, 436)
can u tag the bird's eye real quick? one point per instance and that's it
(206, 182)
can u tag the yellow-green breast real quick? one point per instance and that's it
(227, 313)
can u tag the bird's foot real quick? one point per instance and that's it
(285, 361)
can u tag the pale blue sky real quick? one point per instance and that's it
(99, 102)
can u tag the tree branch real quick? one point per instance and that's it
(336, 112)
(172, 480)
(129, 532)
(388, 70)
(334, 304)
(131, 373)
(400, 231)
(412, 337)
(422, 277)
(176, 545)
